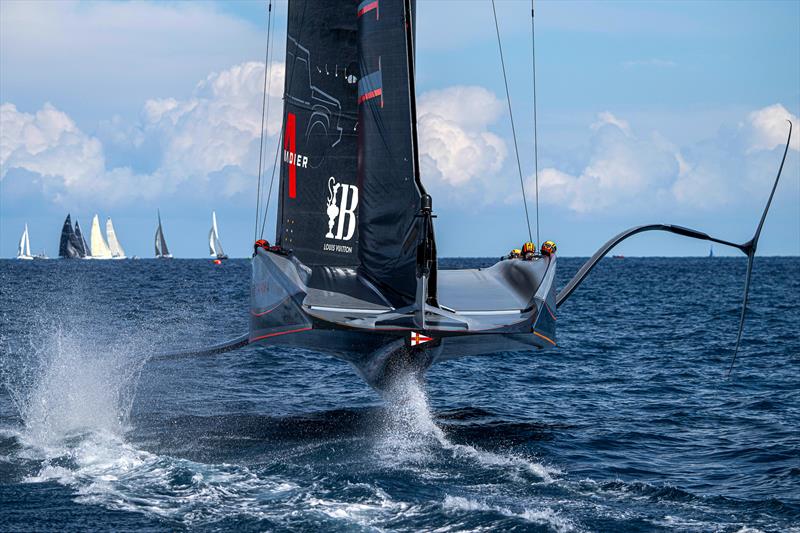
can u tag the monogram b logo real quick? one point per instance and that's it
(342, 203)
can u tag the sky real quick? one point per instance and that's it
(671, 112)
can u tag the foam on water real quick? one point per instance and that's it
(411, 435)
(544, 516)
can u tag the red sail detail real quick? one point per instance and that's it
(290, 145)
(370, 95)
(369, 6)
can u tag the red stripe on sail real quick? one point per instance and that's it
(370, 95)
(369, 7)
(289, 144)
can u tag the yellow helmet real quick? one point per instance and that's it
(548, 247)
(516, 251)
(529, 248)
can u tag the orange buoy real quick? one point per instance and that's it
(217, 261)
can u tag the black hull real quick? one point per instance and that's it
(336, 312)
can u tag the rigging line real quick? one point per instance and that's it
(263, 114)
(535, 133)
(271, 181)
(513, 129)
(275, 160)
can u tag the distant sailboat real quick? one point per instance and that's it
(82, 246)
(111, 236)
(711, 251)
(100, 249)
(71, 243)
(214, 246)
(162, 252)
(24, 249)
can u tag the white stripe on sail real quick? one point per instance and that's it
(99, 246)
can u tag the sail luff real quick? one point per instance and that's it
(100, 249)
(111, 236)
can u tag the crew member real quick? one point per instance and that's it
(516, 253)
(528, 251)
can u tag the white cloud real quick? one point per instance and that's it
(629, 172)
(458, 153)
(209, 139)
(768, 128)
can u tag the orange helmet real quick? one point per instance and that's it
(528, 248)
(548, 247)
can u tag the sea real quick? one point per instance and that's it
(630, 424)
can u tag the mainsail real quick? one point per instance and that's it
(116, 248)
(162, 252)
(214, 246)
(319, 198)
(388, 173)
(70, 245)
(100, 249)
(84, 249)
(24, 249)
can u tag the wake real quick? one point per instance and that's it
(411, 436)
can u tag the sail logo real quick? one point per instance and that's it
(342, 204)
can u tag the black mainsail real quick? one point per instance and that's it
(83, 248)
(162, 252)
(69, 246)
(390, 228)
(319, 198)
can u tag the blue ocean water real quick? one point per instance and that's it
(629, 425)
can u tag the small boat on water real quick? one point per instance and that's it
(100, 249)
(113, 244)
(214, 245)
(24, 248)
(162, 252)
(71, 244)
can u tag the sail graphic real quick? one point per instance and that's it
(70, 245)
(24, 249)
(318, 201)
(80, 240)
(162, 252)
(100, 249)
(214, 246)
(116, 248)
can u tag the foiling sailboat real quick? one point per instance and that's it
(72, 244)
(162, 252)
(353, 272)
(214, 246)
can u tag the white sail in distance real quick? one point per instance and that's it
(214, 246)
(113, 244)
(24, 249)
(99, 246)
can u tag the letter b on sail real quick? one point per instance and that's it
(342, 204)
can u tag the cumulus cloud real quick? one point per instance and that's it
(628, 171)
(768, 128)
(458, 153)
(211, 138)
